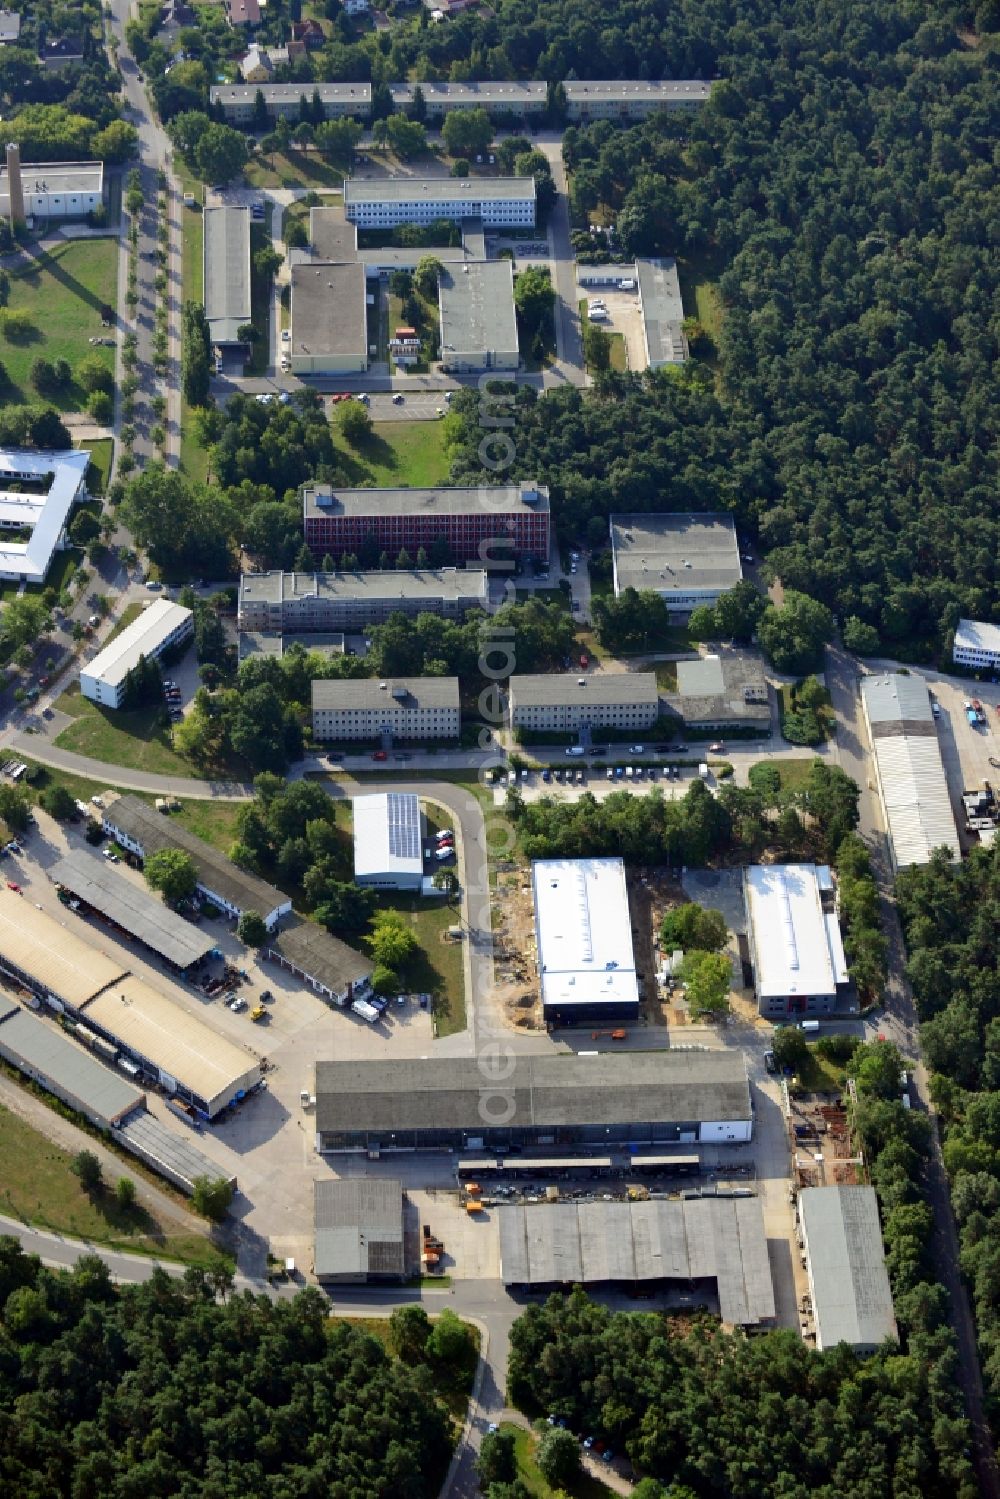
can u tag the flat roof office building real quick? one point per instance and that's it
(382, 203)
(38, 490)
(350, 601)
(478, 322)
(143, 831)
(161, 627)
(630, 100)
(338, 100)
(365, 709)
(845, 1262)
(388, 841)
(133, 910)
(329, 320)
(692, 1242)
(488, 524)
(688, 559)
(721, 692)
(908, 766)
(977, 644)
(561, 702)
(795, 942)
(359, 1231)
(56, 189)
(640, 1098)
(226, 272)
(583, 931)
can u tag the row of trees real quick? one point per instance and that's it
(163, 1388)
(949, 913)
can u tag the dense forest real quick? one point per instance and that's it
(160, 1390)
(950, 918)
(722, 1415)
(840, 187)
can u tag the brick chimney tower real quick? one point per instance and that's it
(15, 192)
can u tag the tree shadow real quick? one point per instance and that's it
(44, 261)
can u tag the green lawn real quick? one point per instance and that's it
(129, 613)
(699, 275)
(819, 1075)
(408, 454)
(194, 459)
(666, 675)
(295, 169)
(214, 821)
(37, 1186)
(793, 774)
(137, 741)
(62, 292)
(99, 473)
(525, 1443)
(64, 563)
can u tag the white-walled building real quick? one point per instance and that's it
(586, 965)
(404, 708)
(515, 97)
(57, 189)
(977, 644)
(627, 99)
(388, 841)
(160, 627)
(38, 489)
(795, 941)
(561, 702)
(383, 202)
(908, 767)
(337, 100)
(687, 558)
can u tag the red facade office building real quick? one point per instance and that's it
(490, 523)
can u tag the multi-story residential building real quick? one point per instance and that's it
(404, 708)
(339, 100)
(977, 644)
(688, 559)
(564, 703)
(350, 601)
(478, 321)
(38, 490)
(383, 202)
(631, 100)
(161, 627)
(441, 99)
(488, 524)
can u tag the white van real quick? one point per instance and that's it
(575, 750)
(809, 1026)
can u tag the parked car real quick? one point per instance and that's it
(379, 755)
(445, 833)
(442, 854)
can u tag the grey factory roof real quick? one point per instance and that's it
(312, 950)
(10, 26)
(227, 271)
(911, 777)
(359, 1227)
(714, 688)
(668, 90)
(662, 311)
(430, 583)
(396, 692)
(329, 313)
(57, 177)
(680, 551)
(488, 499)
(169, 1151)
(852, 1301)
(553, 689)
(152, 831)
(331, 236)
(37, 1048)
(437, 189)
(280, 93)
(445, 1092)
(588, 1243)
(131, 907)
(515, 94)
(476, 304)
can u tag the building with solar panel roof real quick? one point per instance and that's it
(388, 841)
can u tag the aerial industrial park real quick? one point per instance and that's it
(497, 760)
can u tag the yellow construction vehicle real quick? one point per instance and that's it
(258, 1012)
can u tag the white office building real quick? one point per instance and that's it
(687, 558)
(977, 644)
(56, 190)
(160, 627)
(38, 489)
(388, 841)
(795, 941)
(382, 203)
(586, 965)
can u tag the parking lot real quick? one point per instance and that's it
(570, 784)
(623, 317)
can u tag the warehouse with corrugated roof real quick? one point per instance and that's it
(637, 1243)
(128, 906)
(64, 1069)
(908, 767)
(845, 1262)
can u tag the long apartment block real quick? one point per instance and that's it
(304, 602)
(382, 203)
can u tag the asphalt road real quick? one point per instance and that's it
(899, 1023)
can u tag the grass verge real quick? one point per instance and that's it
(39, 1188)
(101, 452)
(137, 741)
(61, 292)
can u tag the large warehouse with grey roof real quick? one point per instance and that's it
(128, 906)
(428, 1102)
(909, 768)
